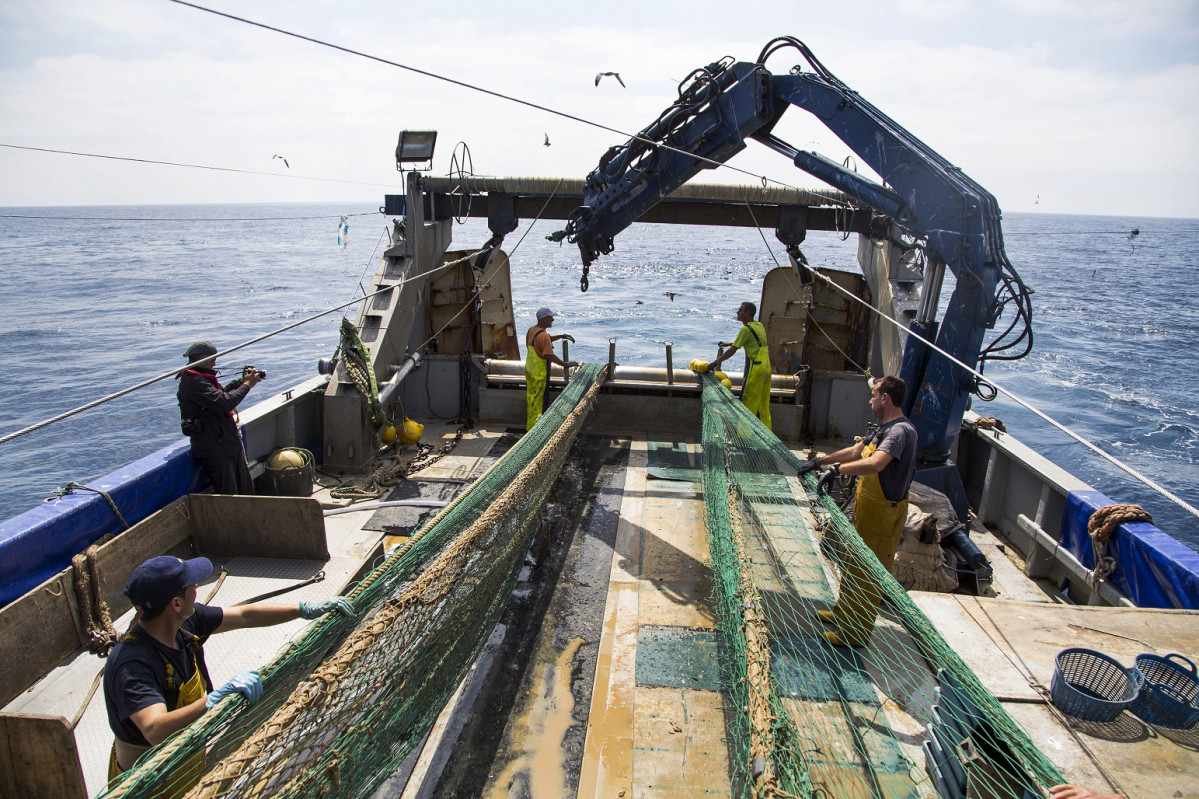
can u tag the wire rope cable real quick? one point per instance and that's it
(472, 87)
(1162, 490)
(189, 166)
(148, 382)
(183, 219)
(117, 394)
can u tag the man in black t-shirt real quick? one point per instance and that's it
(884, 463)
(155, 680)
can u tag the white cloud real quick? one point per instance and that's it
(158, 82)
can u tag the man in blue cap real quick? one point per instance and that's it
(539, 354)
(208, 418)
(155, 679)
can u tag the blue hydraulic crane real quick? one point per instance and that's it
(932, 204)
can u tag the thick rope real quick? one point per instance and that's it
(357, 363)
(762, 770)
(438, 579)
(94, 617)
(1102, 526)
(73, 486)
(394, 472)
(990, 423)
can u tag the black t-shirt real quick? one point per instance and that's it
(898, 439)
(135, 674)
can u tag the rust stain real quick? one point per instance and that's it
(537, 736)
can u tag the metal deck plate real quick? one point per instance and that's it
(63, 690)
(837, 672)
(678, 659)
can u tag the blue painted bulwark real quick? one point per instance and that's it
(1152, 569)
(41, 542)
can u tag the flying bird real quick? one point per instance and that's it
(281, 158)
(547, 140)
(671, 295)
(1037, 201)
(616, 75)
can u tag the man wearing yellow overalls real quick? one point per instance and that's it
(539, 354)
(884, 463)
(155, 680)
(755, 390)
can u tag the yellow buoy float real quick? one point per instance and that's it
(286, 458)
(411, 432)
(727, 383)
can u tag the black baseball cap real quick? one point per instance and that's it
(200, 350)
(153, 583)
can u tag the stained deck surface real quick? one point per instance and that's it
(620, 694)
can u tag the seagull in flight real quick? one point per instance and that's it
(616, 75)
(281, 158)
(547, 140)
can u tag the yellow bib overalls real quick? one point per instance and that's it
(755, 392)
(124, 754)
(536, 374)
(879, 522)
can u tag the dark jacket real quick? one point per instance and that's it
(201, 398)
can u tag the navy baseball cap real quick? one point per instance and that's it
(153, 583)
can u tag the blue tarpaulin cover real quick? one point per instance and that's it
(40, 543)
(1152, 569)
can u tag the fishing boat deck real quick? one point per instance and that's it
(603, 679)
(653, 721)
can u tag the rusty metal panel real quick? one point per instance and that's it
(833, 334)
(454, 319)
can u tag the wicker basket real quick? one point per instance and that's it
(1170, 696)
(1091, 686)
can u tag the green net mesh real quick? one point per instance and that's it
(900, 716)
(903, 716)
(357, 362)
(352, 698)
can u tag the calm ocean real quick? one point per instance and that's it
(92, 306)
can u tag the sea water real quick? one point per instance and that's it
(98, 299)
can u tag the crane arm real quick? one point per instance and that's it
(953, 219)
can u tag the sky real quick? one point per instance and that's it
(1054, 106)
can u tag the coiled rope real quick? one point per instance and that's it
(1102, 526)
(94, 616)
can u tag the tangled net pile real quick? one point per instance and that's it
(352, 698)
(807, 717)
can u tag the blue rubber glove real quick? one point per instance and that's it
(245, 683)
(309, 610)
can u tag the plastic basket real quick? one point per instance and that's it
(1091, 686)
(1170, 695)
